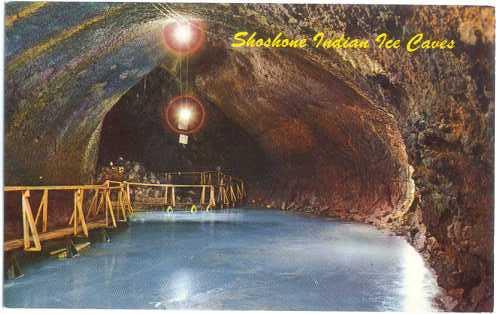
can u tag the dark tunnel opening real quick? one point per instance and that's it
(134, 130)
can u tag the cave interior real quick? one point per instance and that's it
(400, 141)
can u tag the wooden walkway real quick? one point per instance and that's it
(109, 204)
(51, 235)
(106, 205)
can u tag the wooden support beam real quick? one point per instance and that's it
(101, 203)
(43, 211)
(211, 201)
(220, 198)
(109, 209)
(128, 195)
(73, 219)
(74, 212)
(166, 196)
(81, 212)
(202, 198)
(173, 197)
(29, 227)
(225, 195)
(78, 213)
(93, 204)
(121, 204)
(115, 206)
(233, 196)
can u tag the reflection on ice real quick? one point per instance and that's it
(238, 260)
(178, 216)
(180, 286)
(419, 286)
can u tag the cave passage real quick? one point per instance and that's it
(324, 146)
(134, 130)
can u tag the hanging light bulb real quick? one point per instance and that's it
(184, 36)
(184, 115)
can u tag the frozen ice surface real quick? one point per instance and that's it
(237, 260)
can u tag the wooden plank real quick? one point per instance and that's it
(169, 185)
(52, 187)
(51, 235)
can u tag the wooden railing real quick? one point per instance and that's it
(112, 202)
(168, 195)
(230, 190)
(102, 211)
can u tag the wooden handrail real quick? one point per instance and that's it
(52, 187)
(224, 190)
(101, 204)
(171, 185)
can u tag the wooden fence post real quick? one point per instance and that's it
(28, 224)
(120, 201)
(127, 199)
(45, 210)
(211, 201)
(202, 198)
(166, 195)
(42, 211)
(109, 207)
(173, 197)
(233, 196)
(101, 202)
(78, 212)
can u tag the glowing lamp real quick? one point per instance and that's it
(184, 36)
(183, 115)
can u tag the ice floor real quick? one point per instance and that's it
(236, 259)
